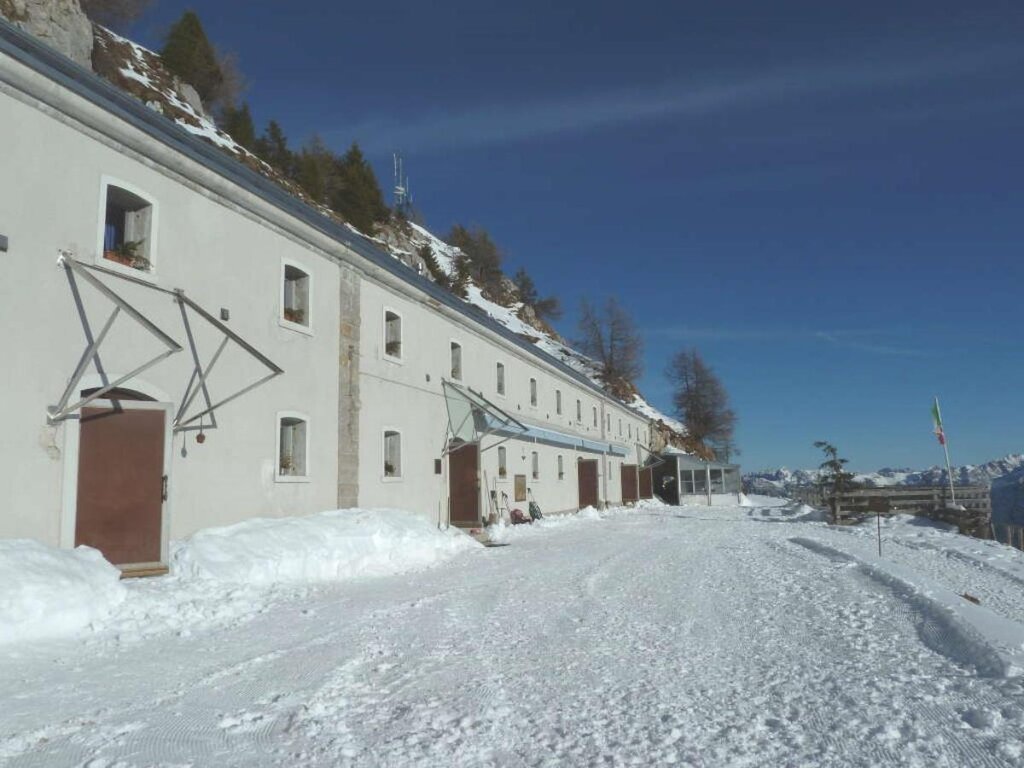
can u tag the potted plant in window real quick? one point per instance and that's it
(295, 315)
(129, 253)
(389, 469)
(287, 464)
(393, 348)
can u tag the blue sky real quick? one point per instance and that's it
(825, 199)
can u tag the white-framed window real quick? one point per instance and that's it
(296, 297)
(499, 378)
(608, 419)
(561, 467)
(502, 462)
(292, 447)
(533, 392)
(629, 431)
(558, 402)
(579, 411)
(392, 335)
(620, 427)
(392, 455)
(456, 360)
(594, 412)
(127, 237)
(535, 465)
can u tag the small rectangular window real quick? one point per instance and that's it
(558, 402)
(456, 354)
(561, 467)
(620, 427)
(500, 378)
(392, 453)
(579, 411)
(502, 462)
(629, 431)
(295, 296)
(127, 229)
(393, 334)
(535, 465)
(292, 447)
(595, 415)
(533, 392)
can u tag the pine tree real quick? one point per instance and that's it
(441, 277)
(482, 258)
(272, 148)
(188, 53)
(315, 170)
(701, 402)
(610, 337)
(357, 195)
(237, 122)
(834, 478)
(548, 308)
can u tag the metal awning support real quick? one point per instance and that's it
(472, 417)
(200, 375)
(198, 381)
(91, 354)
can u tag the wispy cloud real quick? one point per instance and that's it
(872, 341)
(501, 122)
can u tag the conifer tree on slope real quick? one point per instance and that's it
(357, 195)
(237, 123)
(188, 53)
(701, 402)
(548, 308)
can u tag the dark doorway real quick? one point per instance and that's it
(646, 481)
(587, 472)
(120, 502)
(630, 492)
(464, 484)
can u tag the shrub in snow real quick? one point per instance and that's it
(46, 592)
(342, 544)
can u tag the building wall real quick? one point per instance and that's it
(51, 200)
(214, 240)
(406, 395)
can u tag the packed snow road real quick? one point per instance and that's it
(688, 636)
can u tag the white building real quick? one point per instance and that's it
(186, 345)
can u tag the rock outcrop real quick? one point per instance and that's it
(61, 24)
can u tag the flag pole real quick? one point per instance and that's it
(945, 448)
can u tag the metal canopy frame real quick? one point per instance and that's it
(478, 404)
(197, 384)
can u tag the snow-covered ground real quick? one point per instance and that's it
(749, 635)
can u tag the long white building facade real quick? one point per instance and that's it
(187, 345)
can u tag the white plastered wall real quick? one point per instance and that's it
(50, 199)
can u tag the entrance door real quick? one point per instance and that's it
(121, 488)
(629, 483)
(646, 481)
(464, 485)
(587, 474)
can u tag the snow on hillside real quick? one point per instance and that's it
(140, 72)
(767, 639)
(509, 317)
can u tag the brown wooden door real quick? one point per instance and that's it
(646, 483)
(587, 475)
(464, 484)
(629, 483)
(121, 483)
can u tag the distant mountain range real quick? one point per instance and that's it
(1005, 476)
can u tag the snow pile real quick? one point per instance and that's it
(46, 592)
(342, 544)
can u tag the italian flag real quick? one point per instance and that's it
(937, 420)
